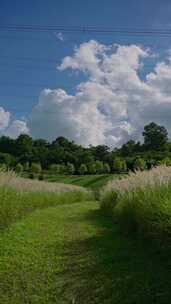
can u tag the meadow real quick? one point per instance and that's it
(59, 245)
(93, 182)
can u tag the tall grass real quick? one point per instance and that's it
(19, 197)
(142, 202)
(9, 178)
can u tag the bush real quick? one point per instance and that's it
(26, 166)
(70, 168)
(92, 168)
(31, 176)
(140, 164)
(35, 168)
(19, 168)
(119, 165)
(55, 168)
(41, 177)
(83, 169)
(99, 166)
(106, 168)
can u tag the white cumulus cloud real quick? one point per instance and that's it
(4, 119)
(16, 128)
(112, 105)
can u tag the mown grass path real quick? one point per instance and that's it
(73, 254)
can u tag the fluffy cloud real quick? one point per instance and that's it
(16, 128)
(4, 119)
(112, 105)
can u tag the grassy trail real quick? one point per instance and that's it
(71, 254)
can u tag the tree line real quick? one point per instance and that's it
(63, 156)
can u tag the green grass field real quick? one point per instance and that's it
(88, 181)
(74, 254)
(61, 247)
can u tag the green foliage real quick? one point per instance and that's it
(19, 168)
(69, 156)
(83, 169)
(41, 177)
(99, 166)
(119, 165)
(31, 176)
(140, 164)
(54, 168)
(165, 161)
(155, 136)
(70, 168)
(26, 166)
(92, 168)
(35, 168)
(106, 168)
(3, 166)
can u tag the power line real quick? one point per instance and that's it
(84, 29)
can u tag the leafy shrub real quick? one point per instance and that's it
(140, 164)
(70, 168)
(41, 177)
(19, 168)
(35, 168)
(31, 176)
(54, 168)
(83, 169)
(106, 168)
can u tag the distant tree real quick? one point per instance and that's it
(130, 148)
(7, 159)
(165, 161)
(19, 168)
(119, 165)
(140, 164)
(24, 144)
(83, 169)
(100, 152)
(7, 145)
(55, 168)
(106, 168)
(92, 168)
(35, 168)
(70, 168)
(155, 137)
(26, 166)
(99, 166)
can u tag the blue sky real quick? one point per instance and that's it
(28, 60)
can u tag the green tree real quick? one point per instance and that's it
(119, 165)
(19, 168)
(35, 168)
(83, 169)
(165, 161)
(92, 168)
(140, 164)
(155, 137)
(99, 166)
(26, 166)
(70, 168)
(55, 169)
(106, 168)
